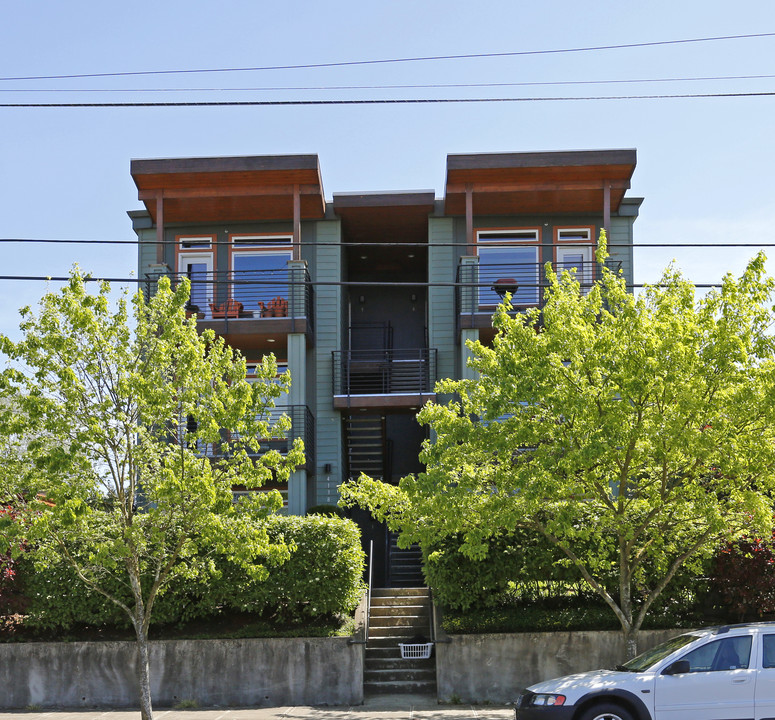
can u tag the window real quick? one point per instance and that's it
(508, 262)
(198, 268)
(192, 242)
(281, 405)
(732, 653)
(573, 252)
(259, 265)
(768, 648)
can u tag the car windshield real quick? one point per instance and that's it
(645, 660)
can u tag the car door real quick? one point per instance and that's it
(765, 679)
(720, 683)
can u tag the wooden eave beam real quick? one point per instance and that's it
(460, 188)
(227, 192)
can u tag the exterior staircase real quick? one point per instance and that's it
(404, 566)
(398, 615)
(366, 445)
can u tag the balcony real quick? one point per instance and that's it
(302, 426)
(481, 288)
(255, 301)
(383, 378)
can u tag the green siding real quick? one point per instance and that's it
(621, 232)
(327, 266)
(442, 323)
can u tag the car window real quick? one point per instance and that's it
(730, 653)
(650, 657)
(768, 654)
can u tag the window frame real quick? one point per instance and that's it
(533, 238)
(587, 247)
(274, 244)
(202, 254)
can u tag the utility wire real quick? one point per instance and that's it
(402, 101)
(351, 63)
(428, 86)
(337, 283)
(377, 245)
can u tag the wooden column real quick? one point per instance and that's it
(160, 227)
(296, 223)
(470, 218)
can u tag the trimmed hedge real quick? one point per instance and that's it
(322, 577)
(521, 559)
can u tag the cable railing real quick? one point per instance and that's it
(302, 426)
(245, 294)
(482, 287)
(384, 372)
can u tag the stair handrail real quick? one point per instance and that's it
(368, 591)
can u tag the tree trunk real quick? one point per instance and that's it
(630, 642)
(144, 675)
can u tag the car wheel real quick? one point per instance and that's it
(606, 711)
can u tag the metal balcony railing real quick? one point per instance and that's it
(481, 287)
(233, 295)
(384, 372)
(302, 426)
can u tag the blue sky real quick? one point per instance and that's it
(704, 165)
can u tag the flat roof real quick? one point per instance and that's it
(538, 182)
(230, 189)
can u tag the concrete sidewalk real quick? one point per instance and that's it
(380, 707)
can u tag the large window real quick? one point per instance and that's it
(508, 262)
(259, 265)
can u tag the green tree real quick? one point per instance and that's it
(135, 428)
(633, 433)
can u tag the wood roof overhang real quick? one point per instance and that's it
(536, 183)
(230, 189)
(383, 217)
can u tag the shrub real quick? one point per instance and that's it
(518, 563)
(331, 510)
(322, 577)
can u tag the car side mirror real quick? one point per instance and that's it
(679, 667)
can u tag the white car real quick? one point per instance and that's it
(720, 673)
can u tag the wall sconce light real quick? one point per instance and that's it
(327, 468)
(361, 299)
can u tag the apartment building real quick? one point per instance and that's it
(369, 298)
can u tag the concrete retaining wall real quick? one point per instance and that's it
(494, 668)
(252, 672)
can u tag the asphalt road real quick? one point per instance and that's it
(382, 707)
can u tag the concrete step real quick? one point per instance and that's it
(400, 592)
(388, 635)
(398, 601)
(400, 610)
(382, 676)
(397, 663)
(399, 687)
(383, 621)
(385, 652)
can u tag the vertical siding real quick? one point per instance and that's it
(327, 266)
(146, 250)
(621, 232)
(442, 325)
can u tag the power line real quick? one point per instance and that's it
(350, 63)
(329, 283)
(427, 86)
(375, 245)
(402, 101)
